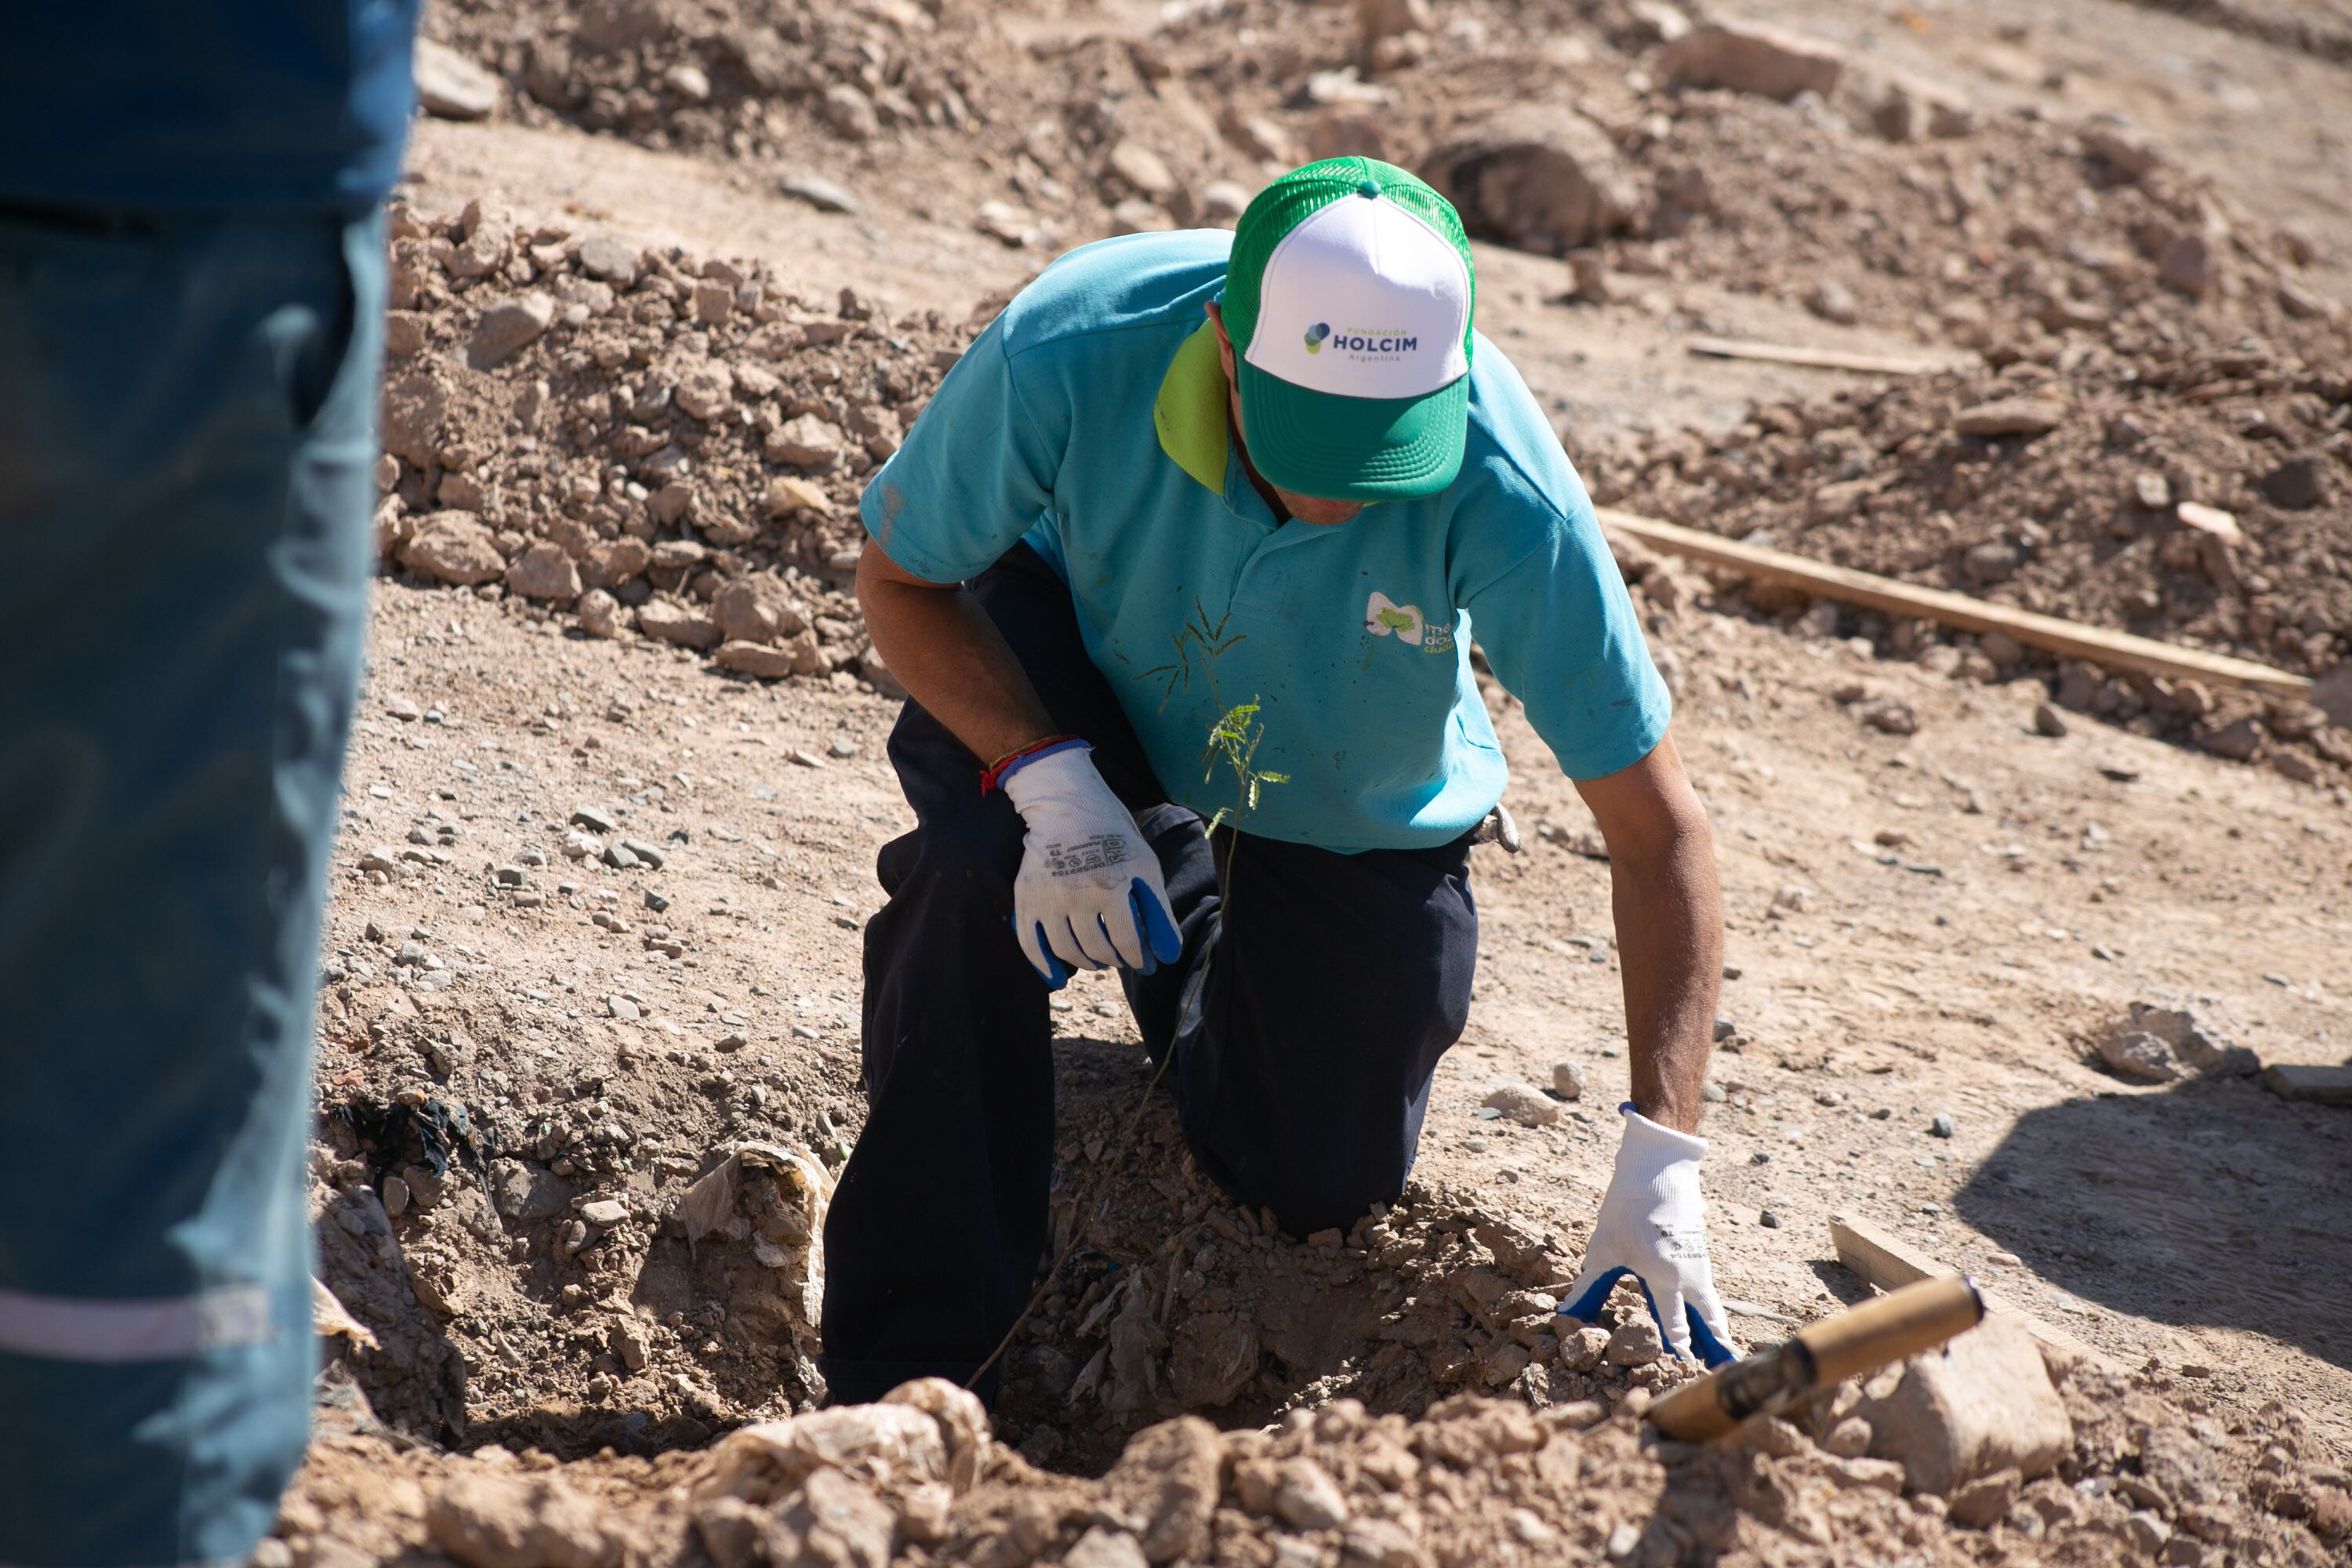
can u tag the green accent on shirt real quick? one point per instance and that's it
(1190, 412)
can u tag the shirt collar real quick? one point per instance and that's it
(1190, 412)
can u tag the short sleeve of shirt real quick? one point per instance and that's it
(1549, 607)
(973, 473)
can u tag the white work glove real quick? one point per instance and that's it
(1089, 895)
(1652, 1225)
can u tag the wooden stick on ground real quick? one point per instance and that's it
(2329, 1086)
(1889, 1264)
(1821, 359)
(2112, 650)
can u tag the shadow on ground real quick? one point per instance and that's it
(2212, 1204)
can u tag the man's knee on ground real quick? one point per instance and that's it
(1312, 1201)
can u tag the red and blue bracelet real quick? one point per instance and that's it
(1010, 763)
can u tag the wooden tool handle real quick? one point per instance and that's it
(1918, 1317)
(1854, 1343)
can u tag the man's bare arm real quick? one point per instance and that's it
(950, 657)
(1669, 927)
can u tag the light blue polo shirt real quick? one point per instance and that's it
(1090, 419)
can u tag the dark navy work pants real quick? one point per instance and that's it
(1301, 1073)
(187, 435)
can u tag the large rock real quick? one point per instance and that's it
(2159, 1044)
(613, 562)
(507, 328)
(1540, 176)
(671, 623)
(489, 1519)
(788, 495)
(1167, 1482)
(453, 547)
(1749, 57)
(1983, 1403)
(1216, 1357)
(757, 609)
(809, 441)
(753, 659)
(544, 572)
(451, 87)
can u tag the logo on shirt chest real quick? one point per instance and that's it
(1383, 616)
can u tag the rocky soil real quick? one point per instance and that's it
(588, 1046)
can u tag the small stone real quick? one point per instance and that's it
(656, 901)
(1622, 1539)
(1143, 171)
(1712, 1092)
(1100, 1548)
(1307, 1496)
(1985, 1501)
(2210, 519)
(2049, 722)
(648, 854)
(842, 746)
(1848, 1439)
(1941, 1126)
(1223, 202)
(2296, 484)
(1636, 1342)
(605, 1212)
(602, 257)
(1994, 560)
(2011, 417)
(2151, 491)
(850, 113)
(2146, 1532)
(1583, 1345)
(2186, 266)
(1567, 1081)
(1832, 301)
(1523, 1103)
(1889, 715)
(595, 819)
(628, 1343)
(451, 87)
(622, 1007)
(396, 1196)
(507, 327)
(819, 192)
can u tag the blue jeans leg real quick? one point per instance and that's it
(187, 430)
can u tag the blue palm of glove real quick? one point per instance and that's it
(1586, 1307)
(1162, 942)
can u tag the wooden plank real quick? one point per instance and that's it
(2097, 645)
(1821, 359)
(1889, 1264)
(2328, 1085)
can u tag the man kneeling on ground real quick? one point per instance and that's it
(1179, 473)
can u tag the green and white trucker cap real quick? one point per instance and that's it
(1349, 298)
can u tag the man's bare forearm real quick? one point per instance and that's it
(1670, 939)
(951, 658)
(1669, 927)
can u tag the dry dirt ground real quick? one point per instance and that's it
(577, 1117)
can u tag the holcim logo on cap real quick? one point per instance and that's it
(1315, 336)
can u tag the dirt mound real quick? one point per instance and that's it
(2191, 492)
(658, 444)
(917, 1480)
